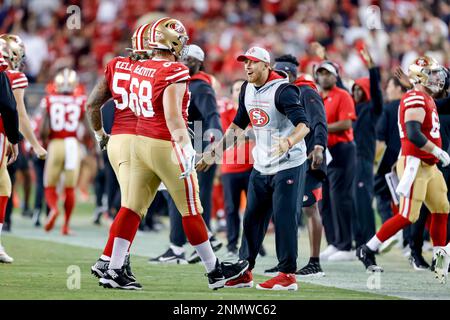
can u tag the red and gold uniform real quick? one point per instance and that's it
(429, 186)
(155, 158)
(118, 76)
(64, 113)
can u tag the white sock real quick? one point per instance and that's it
(207, 255)
(1, 227)
(120, 250)
(105, 258)
(434, 251)
(374, 243)
(176, 249)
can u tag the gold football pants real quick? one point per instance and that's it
(119, 154)
(55, 165)
(428, 188)
(154, 161)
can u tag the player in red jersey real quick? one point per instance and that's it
(421, 182)
(14, 53)
(116, 85)
(162, 152)
(62, 113)
(9, 138)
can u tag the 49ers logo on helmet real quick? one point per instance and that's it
(177, 27)
(421, 62)
(259, 117)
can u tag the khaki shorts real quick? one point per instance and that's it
(119, 154)
(55, 165)
(5, 181)
(428, 188)
(154, 161)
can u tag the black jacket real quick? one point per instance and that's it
(8, 110)
(368, 113)
(318, 135)
(203, 107)
(387, 131)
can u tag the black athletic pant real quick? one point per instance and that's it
(9, 206)
(99, 187)
(384, 206)
(338, 191)
(112, 187)
(205, 181)
(233, 185)
(364, 224)
(446, 173)
(176, 235)
(279, 194)
(39, 198)
(417, 230)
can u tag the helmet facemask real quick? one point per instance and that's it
(435, 80)
(13, 51)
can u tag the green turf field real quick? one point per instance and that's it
(42, 263)
(40, 272)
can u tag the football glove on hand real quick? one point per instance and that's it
(102, 138)
(187, 160)
(441, 155)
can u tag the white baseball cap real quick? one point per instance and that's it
(196, 52)
(255, 54)
(329, 66)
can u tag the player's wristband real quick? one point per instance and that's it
(100, 134)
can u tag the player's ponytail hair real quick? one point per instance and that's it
(135, 56)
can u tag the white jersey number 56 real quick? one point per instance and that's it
(138, 97)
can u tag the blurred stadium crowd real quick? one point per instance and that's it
(224, 28)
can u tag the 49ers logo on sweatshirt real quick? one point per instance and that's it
(259, 117)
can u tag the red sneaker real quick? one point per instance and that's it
(244, 281)
(283, 281)
(51, 220)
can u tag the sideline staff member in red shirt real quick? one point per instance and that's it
(337, 205)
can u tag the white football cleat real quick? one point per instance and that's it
(442, 258)
(342, 255)
(4, 258)
(330, 250)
